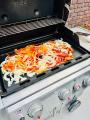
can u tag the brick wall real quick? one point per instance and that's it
(79, 13)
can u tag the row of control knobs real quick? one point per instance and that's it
(35, 110)
(66, 93)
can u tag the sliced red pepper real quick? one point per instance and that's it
(56, 50)
(62, 55)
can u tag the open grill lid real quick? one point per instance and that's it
(13, 11)
(18, 17)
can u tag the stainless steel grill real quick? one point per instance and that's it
(43, 96)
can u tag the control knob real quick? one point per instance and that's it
(74, 105)
(22, 118)
(35, 111)
(86, 81)
(64, 94)
(76, 87)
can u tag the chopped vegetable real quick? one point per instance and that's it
(37, 58)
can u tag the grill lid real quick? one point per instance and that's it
(13, 11)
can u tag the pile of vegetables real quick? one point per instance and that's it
(35, 59)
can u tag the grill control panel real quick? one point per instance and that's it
(51, 105)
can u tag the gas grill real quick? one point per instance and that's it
(26, 22)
